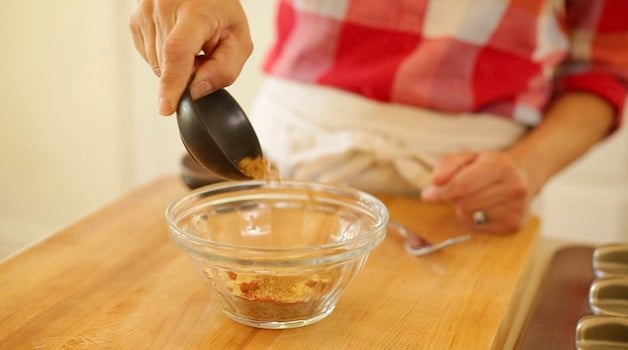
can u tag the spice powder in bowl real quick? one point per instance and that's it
(274, 297)
(278, 253)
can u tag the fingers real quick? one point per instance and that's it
(225, 52)
(449, 165)
(136, 34)
(471, 175)
(493, 196)
(169, 34)
(164, 19)
(504, 218)
(168, 39)
(222, 66)
(491, 183)
(147, 27)
(180, 48)
(505, 204)
(150, 42)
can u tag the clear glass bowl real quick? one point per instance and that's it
(278, 255)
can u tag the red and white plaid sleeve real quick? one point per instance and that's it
(598, 61)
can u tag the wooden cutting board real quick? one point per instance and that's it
(114, 280)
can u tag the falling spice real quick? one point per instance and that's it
(276, 298)
(263, 297)
(259, 169)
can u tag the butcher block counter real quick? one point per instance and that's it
(114, 280)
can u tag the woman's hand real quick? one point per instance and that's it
(489, 182)
(170, 34)
(502, 184)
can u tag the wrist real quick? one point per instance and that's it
(531, 167)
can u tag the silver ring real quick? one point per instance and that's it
(480, 217)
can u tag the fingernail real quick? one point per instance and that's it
(200, 89)
(429, 193)
(165, 107)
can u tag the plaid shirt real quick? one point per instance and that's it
(505, 57)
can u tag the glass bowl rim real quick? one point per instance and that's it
(374, 235)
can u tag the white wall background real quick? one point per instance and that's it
(80, 128)
(63, 142)
(79, 121)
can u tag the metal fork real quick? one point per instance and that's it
(417, 245)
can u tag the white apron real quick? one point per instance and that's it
(323, 134)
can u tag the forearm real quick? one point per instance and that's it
(573, 124)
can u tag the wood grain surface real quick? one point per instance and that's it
(114, 280)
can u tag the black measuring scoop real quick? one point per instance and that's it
(217, 133)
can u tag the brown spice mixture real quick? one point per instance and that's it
(276, 298)
(259, 169)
